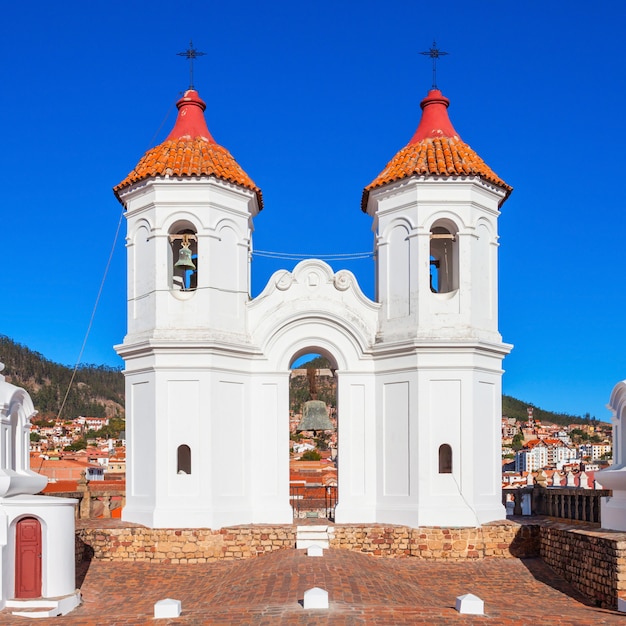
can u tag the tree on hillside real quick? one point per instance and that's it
(517, 442)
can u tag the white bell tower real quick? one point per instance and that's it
(207, 368)
(189, 208)
(435, 209)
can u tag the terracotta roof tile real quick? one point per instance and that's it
(190, 150)
(435, 150)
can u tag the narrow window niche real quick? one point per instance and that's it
(184, 259)
(445, 459)
(444, 259)
(183, 465)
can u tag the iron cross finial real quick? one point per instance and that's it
(191, 53)
(434, 53)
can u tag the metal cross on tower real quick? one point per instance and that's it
(191, 53)
(434, 53)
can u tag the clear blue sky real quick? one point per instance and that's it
(313, 99)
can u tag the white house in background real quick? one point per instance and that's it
(594, 451)
(36, 532)
(613, 509)
(207, 367)
(531, 459)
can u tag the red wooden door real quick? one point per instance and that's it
(28, 558)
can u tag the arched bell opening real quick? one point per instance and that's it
(313, 440)
(183, 256)
(444, 257)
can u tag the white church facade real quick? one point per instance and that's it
(207, 367)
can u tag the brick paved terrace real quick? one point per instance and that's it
(363, 589)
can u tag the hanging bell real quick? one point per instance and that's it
(184, 258)
(314, 417)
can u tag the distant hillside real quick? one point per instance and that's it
(511, 407)
(97, 391)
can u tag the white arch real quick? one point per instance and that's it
(232, 225)
(617, 403)
(136, 226)
(398, 222)
(323, 333)
(444, 215)
(183, 216)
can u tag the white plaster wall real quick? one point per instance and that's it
(210, 369)
(221, 214)
(613, 509)
(416, 204)
(314, 310)
(56, 516)
(429, 395)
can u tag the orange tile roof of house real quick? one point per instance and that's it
(188, 151)
(61, 486)
(435, 150)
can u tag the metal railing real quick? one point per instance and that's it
(313, 501)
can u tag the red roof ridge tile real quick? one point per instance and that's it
(435, 149)
(189, 151)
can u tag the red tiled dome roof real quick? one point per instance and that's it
(189, 150)
(435, 150)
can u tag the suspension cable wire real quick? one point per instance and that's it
(293, 256)
(162, 124)
(93, 314)
(106, 271)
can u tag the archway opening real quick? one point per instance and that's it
(313, 440)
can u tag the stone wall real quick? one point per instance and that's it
(137, 543)
(593, 561)
(501, 539)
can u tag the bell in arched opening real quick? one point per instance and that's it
(184, 256)
(314, 417)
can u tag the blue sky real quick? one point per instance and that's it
(313, 99)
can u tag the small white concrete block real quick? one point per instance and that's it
(470, 604)
(621, 605)
(315, 598)
(167, 608)
(315, 550)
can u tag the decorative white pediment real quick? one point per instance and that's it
(310, 298)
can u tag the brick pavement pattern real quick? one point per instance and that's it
(362, 590)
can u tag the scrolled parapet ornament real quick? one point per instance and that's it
(342, 280)
(284, 281)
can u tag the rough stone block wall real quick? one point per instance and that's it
(137, 543)
(593, 561)
(501, 539)
(387, 541)
(195, 545)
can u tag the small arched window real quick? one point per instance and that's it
(184, 259)
(445, 459)
(183, 465)
(444, 259)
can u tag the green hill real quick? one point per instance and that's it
(511, 407)
(97, 390)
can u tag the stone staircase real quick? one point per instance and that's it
(45, 607)
(314, 535)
